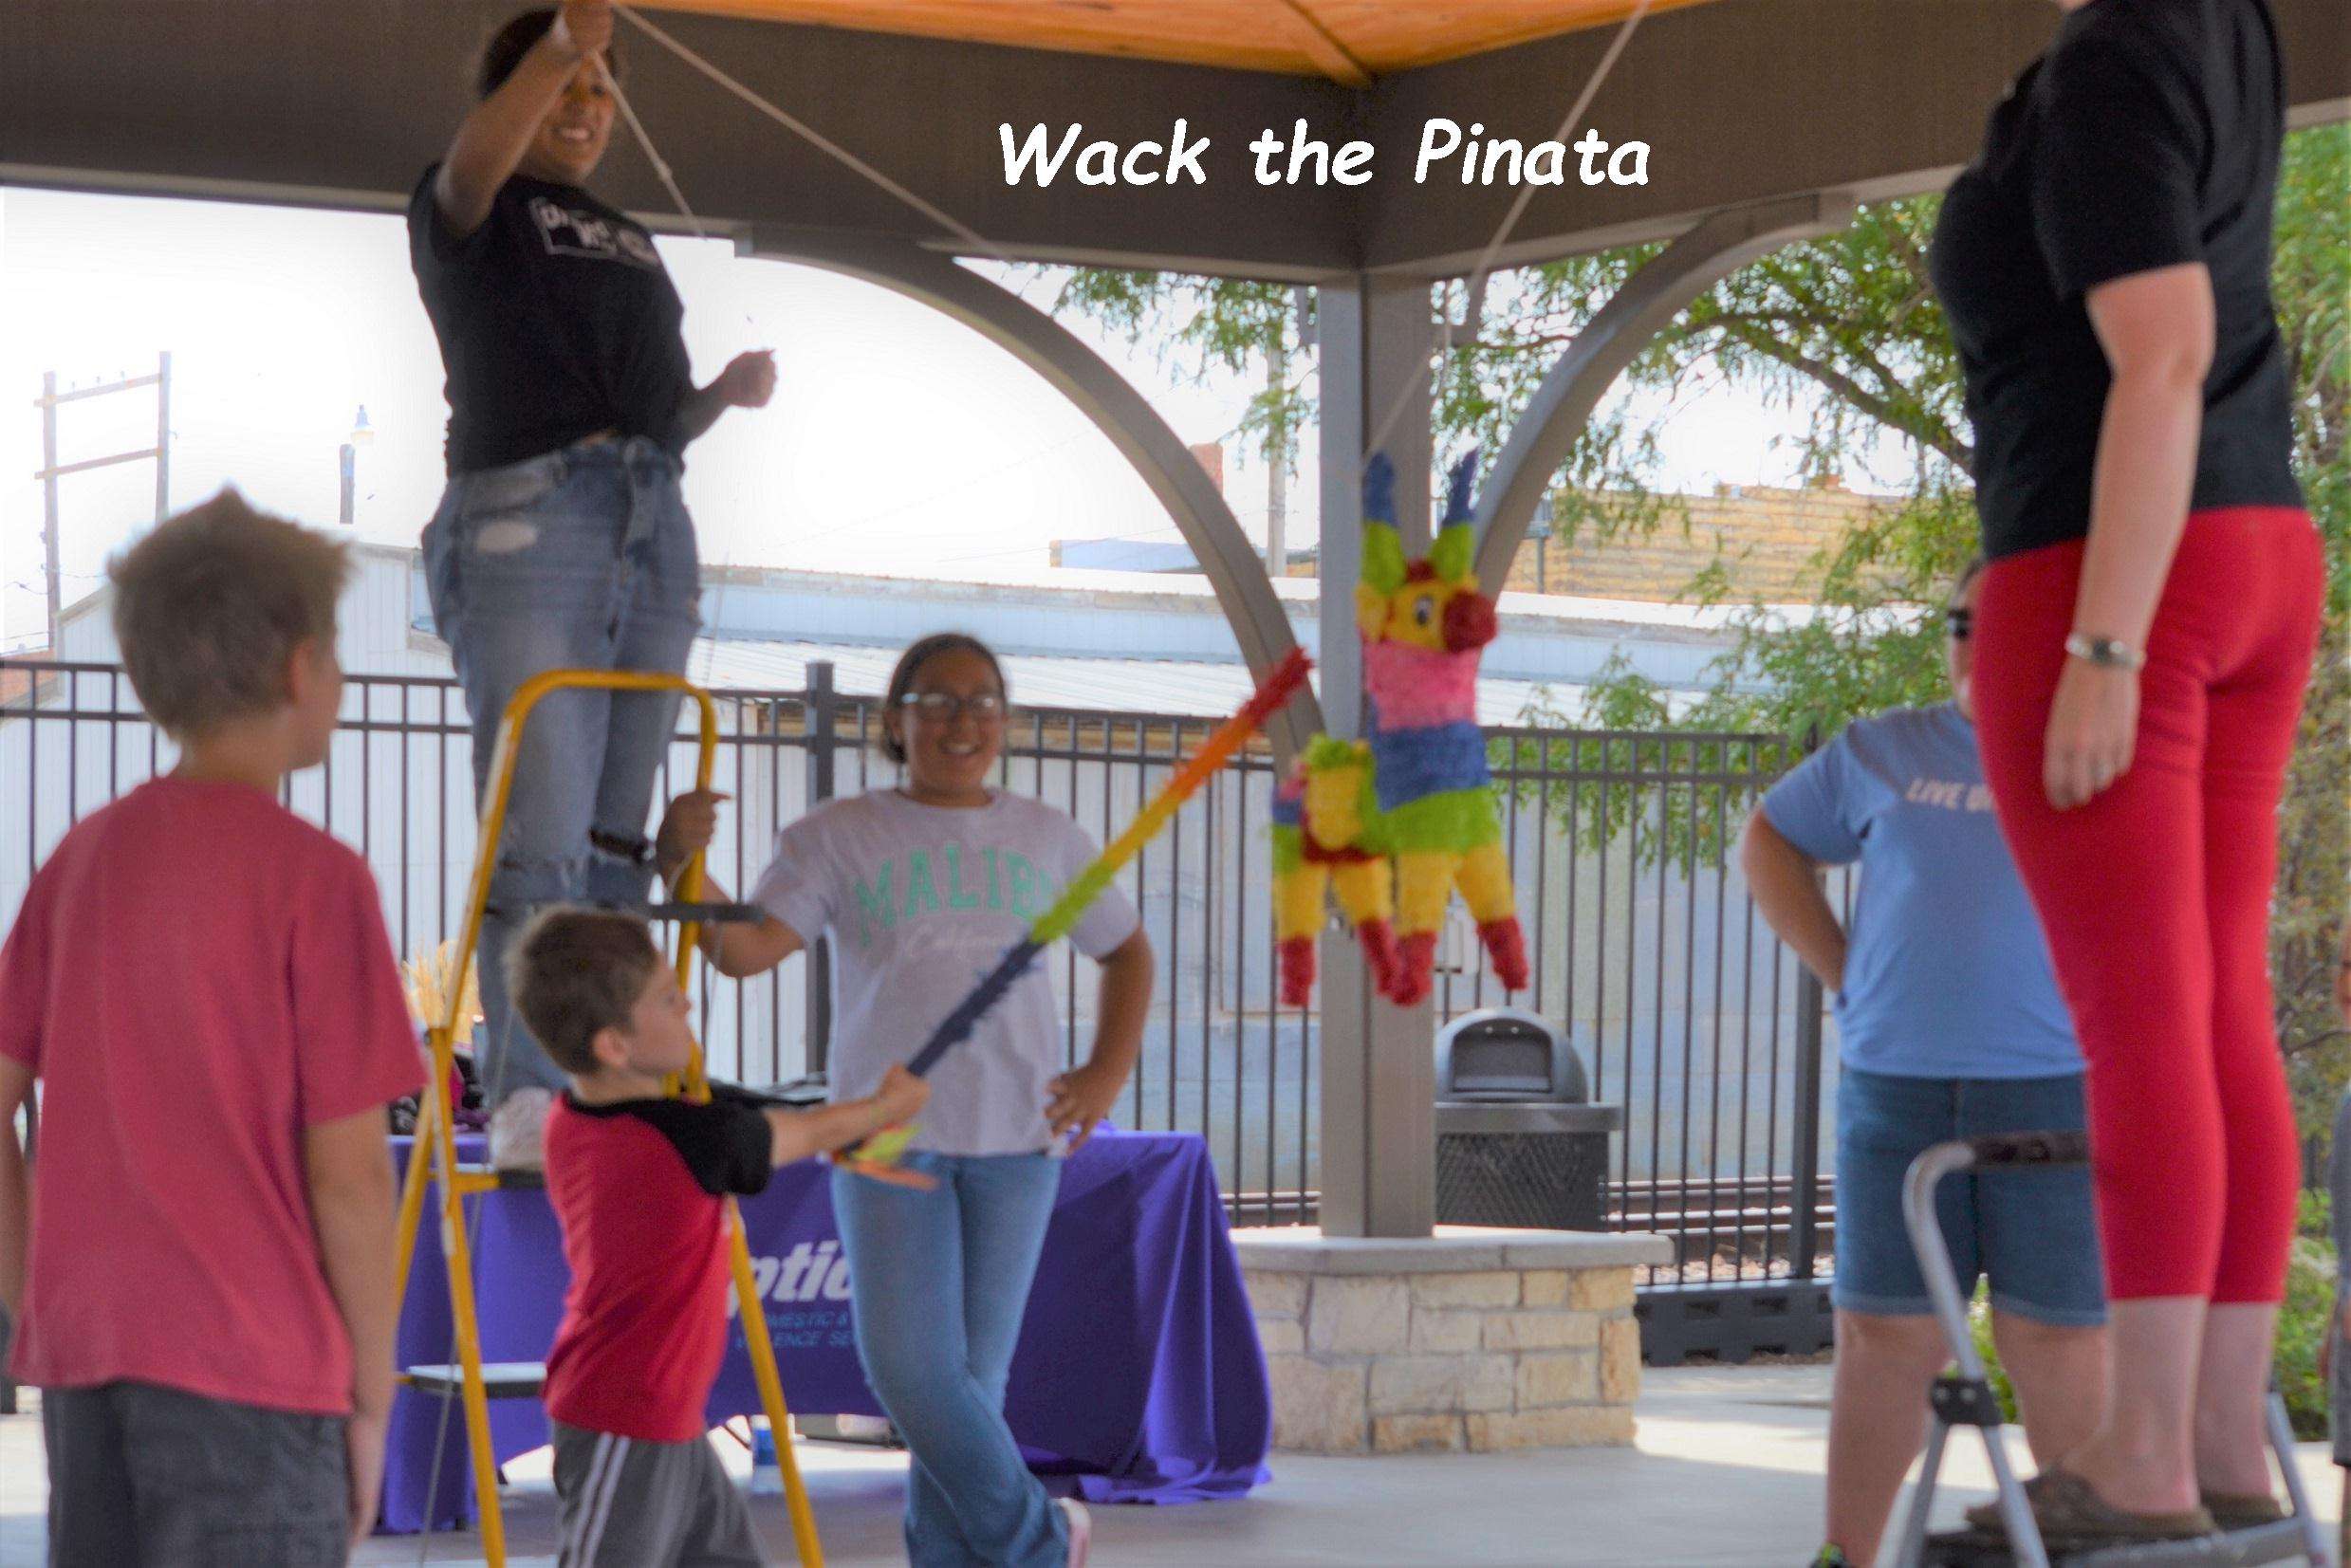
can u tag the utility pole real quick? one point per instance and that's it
(1541, 531)
(51, 471)
(1277, 471)
(50, 571)
(1277, 481)
(361, 435)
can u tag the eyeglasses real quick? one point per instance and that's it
(1960, 622)
(943, 707)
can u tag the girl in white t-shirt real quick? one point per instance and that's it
(920, 888)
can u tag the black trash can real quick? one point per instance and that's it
(1518, 1144)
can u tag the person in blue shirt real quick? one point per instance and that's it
(1949, 1025)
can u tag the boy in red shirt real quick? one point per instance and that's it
(637, 1182)
(203, 984)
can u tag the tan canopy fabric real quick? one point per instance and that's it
(1348, 40)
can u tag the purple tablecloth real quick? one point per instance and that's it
(1138, 1379)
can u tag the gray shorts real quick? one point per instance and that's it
(148, 1477)
(630, 1503)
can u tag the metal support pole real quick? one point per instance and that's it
(163, 435)
(1803, 1235)
(1811, 1005)
(817, 722)
(1378, 1061)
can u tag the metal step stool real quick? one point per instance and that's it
(1965, 1399)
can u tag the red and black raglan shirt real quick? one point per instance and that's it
(640, 1187)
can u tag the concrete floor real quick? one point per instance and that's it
(1727, 1472)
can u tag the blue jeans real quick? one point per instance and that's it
(938, 1281)
(2034, 1233)
(583, 558)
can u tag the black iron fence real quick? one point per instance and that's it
(1648, 948)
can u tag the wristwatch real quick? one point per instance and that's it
(2106, 653)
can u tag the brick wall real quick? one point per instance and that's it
(1770, 537)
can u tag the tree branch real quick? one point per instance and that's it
(1921, 427)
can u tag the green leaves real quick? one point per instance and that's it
(1213, 324)
(1845, 331)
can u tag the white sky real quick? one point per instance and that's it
(896, 437)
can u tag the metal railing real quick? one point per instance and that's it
(1690, 1015)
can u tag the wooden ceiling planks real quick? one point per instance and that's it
(1347, 40)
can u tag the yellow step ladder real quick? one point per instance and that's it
(474, 1384)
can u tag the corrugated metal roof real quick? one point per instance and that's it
(1166, 589)
(1192, 689)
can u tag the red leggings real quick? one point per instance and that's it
(2155, 895)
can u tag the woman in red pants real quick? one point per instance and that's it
(2146, 633)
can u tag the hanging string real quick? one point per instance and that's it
(661, 165)
(810, 135)
(685, 210)
(1443, 341)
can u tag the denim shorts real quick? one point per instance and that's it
(2034, 1232)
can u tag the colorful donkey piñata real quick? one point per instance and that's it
(1397, 823)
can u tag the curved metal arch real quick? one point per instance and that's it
(1166, 465)
(1717, 246)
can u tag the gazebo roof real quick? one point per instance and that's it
(344, 102)
(1348, 40)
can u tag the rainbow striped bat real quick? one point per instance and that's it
(886, 1147)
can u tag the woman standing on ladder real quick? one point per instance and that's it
(563, 540)
(2146, 633)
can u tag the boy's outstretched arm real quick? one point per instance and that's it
(15, 1187)
(348, 1169)
(803, 1134)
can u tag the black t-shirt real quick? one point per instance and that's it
(555, 321)
(2149, 135)
(727, 1143)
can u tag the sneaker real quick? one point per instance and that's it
(1081, 1528)
(518, 1131)
(1832, 1555)
(2243, 1510)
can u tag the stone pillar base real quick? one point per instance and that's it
(1473, 1340)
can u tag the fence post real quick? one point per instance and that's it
(1806, 1241)
(1803, 1241)
(7, 1326)
(818, 708)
